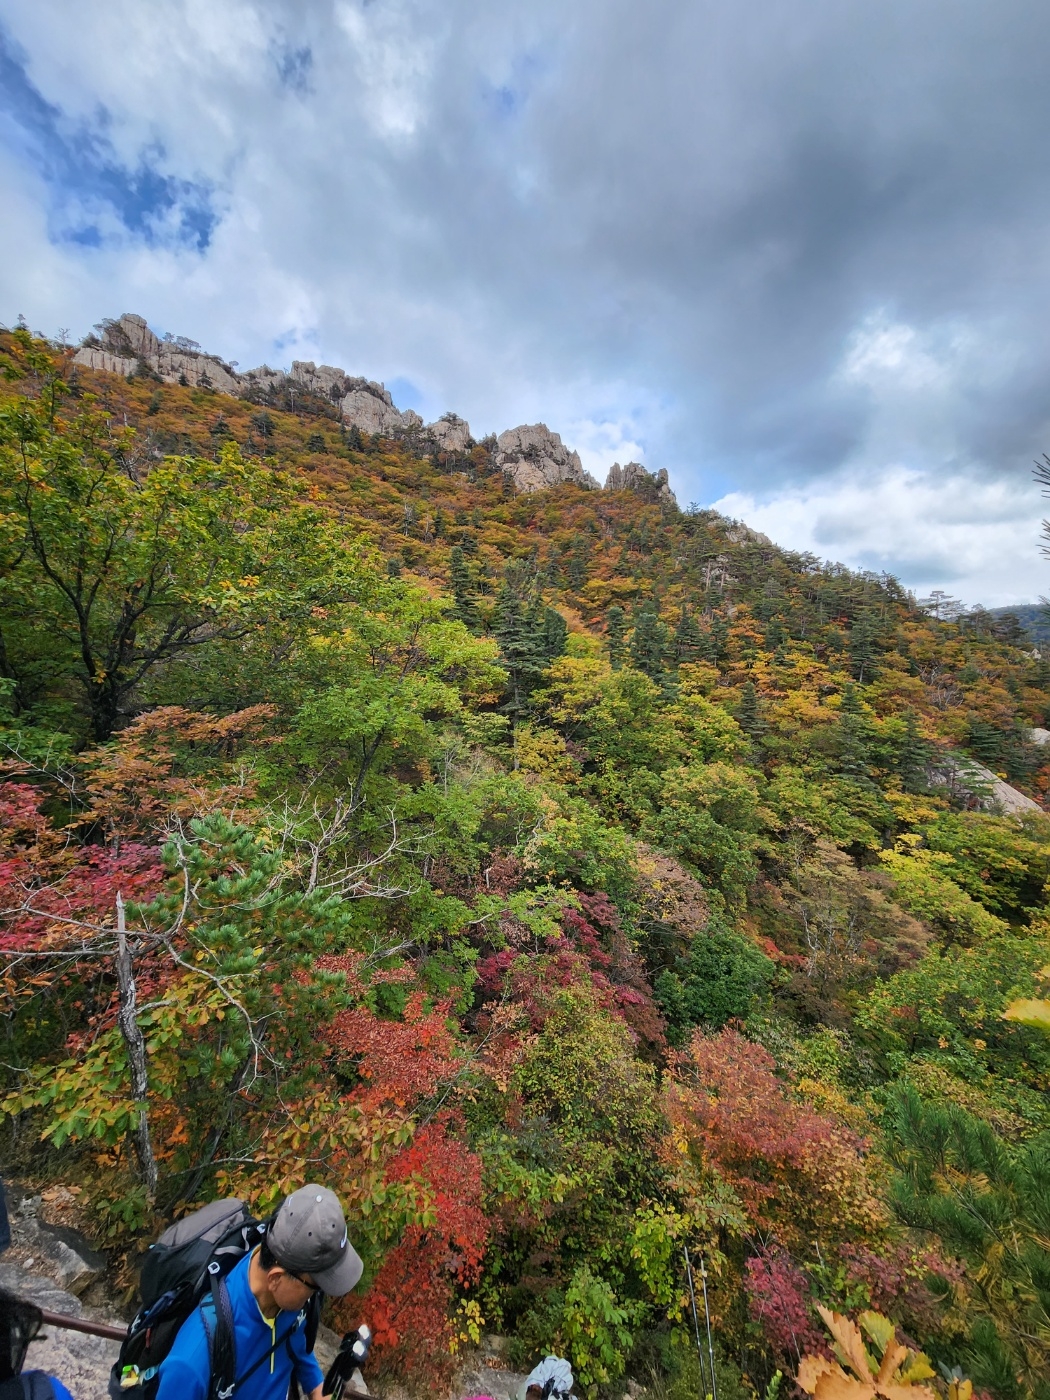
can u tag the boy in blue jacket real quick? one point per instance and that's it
(305, 1250)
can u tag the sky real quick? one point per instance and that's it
(796, 253)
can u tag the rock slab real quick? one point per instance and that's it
(81, 1362)
(652, 486)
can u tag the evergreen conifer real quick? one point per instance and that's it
(688, 639)
(616, 635)
(462, 586)
(649, 643)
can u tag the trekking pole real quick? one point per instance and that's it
(77, 1324)
(351, 1356)
(707, 1319)
(696, 1320)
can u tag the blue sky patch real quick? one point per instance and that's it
(405, 394)
(294, 67)
(91, 188)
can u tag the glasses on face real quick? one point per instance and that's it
(307, 1283)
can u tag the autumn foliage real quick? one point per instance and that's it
(569, 880)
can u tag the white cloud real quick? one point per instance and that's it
(979, 539)
(690, 236)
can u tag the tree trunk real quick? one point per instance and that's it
(127, 1020)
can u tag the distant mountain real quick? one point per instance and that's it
(1034, 619)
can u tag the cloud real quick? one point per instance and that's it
(773, 248)
(93, 196)
(977, 538)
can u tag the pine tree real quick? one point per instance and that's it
(688, 639)
(776, 635)
(913, 755)
(529, 633)
(555, 633)
(863, 650)
(577, 572)
(650, 643)
(616, 635)
(748, 715)
(719, 637)
(462, 585)
(853, 737)
(987, 1200)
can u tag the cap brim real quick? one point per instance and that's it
(341, 1277)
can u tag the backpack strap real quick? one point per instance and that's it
(222, 1346)
(281, 1340)
(223, 1353)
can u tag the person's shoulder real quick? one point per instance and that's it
(237, 1279)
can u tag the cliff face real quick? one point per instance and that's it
(534, 457)
(531, 456)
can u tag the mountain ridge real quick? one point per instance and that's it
(530, 455)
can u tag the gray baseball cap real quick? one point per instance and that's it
(308, 1236)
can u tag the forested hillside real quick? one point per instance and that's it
(565, 878)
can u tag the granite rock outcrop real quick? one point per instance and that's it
(534, 458)
(368, 406)
(531, 455)
(174, 360)
(651, 486)
(127, 345)
(451, 433)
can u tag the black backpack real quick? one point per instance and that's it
(184, 1270)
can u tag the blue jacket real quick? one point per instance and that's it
(186, 1370)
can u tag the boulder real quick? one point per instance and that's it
(985, 788)
(64, 1255)
(534, 458)
(739, 533)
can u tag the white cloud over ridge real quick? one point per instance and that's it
(798, 256)
(976, 538)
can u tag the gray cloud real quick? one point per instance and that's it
(774, 248)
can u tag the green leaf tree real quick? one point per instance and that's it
(112, 569)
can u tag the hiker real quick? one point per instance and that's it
(304, 1251)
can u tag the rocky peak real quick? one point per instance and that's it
(451, 433)
(653, 486)
(531, 455)
(175, 359)
(534, 457)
